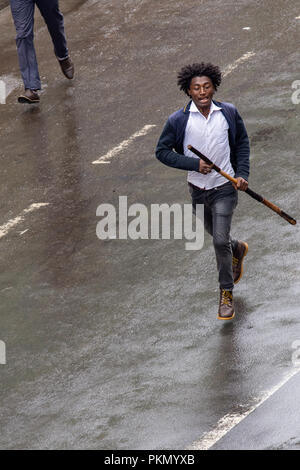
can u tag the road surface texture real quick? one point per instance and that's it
(115, 344)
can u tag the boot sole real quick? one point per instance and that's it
(24, 99)
(69, 78)
(242, 267)
(228, 318)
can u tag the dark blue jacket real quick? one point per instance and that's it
(173, 135)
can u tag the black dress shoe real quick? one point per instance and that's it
(67, 67)
(30, 96)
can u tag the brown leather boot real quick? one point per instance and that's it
(30, 96)
(237, 260)
(226, 309)
(67, 67)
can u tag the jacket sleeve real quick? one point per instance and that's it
(166, 154)
(242, 149)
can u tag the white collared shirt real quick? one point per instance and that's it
(210, 137)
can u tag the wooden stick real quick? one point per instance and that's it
(249, 191)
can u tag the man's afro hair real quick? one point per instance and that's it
(198, 70)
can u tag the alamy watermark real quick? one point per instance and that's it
(296, 353)
(2, 353)
(296, 95)
(154, 223)
(2, 92)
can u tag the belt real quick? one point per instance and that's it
(203, 189)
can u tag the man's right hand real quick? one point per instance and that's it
(204, 168)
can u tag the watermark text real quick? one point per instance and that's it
(296, 95)
(296, 353)
(160, 222)
(2, 353)
(2, 92)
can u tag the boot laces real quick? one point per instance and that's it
(226, 297)
(235, 261)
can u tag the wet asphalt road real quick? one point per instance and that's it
(115, 344)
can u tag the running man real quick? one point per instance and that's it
(217, 130)
(23, 16)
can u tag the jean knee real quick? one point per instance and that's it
(222, 244)
(24, 35)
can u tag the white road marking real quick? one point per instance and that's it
(229, 421)
(231, 67)
(123, 145)
(4, 229)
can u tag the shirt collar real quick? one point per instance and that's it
(213, 107)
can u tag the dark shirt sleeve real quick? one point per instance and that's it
(242, 149)
(166, 154)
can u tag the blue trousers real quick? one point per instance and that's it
(219, 204)
(23, 16)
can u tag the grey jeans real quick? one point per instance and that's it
(23, 16)
(219, 204)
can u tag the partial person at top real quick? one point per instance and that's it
(23, 16)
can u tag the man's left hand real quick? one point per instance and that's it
(242, 184)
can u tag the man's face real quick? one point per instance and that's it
(201, 91)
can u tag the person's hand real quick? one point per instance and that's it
(242, 184)
(204, 168)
